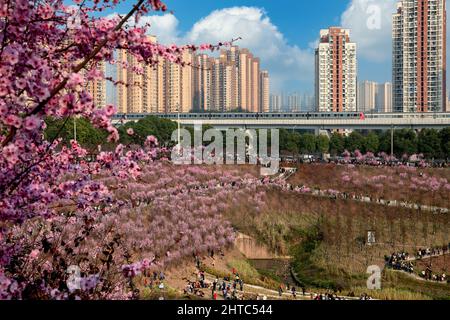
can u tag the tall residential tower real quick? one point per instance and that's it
(419, 56)
(335, 71)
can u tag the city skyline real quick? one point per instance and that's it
(336, 71)
(232, 81)
(271, 31)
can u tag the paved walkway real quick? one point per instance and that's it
(269, 293)
(415, 276)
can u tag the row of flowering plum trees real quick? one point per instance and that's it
(123, 213)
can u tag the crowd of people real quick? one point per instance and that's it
(386, 161)
(335, 194)
(326, 296)
(232, 287)
(195, 287)
(154, 279)
(290, 289)
(434, 251)
(404, 262)
(229, 288)
(428, 274)
(400, 261)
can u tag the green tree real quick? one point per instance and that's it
(337, 143)
(405, 141)
(444, 136)
(385, 142)
(429, 143)
(293, 143)
(86, 135)
(284, 138)
(355, 141)
(307, 143)
(371, 142)
(151, 125)
(323, 144)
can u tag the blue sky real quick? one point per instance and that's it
(283, 32)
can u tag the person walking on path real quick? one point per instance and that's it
(280, 291)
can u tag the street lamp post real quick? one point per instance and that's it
(392, 141)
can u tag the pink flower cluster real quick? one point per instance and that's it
(47, 60)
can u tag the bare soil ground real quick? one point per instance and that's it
(438, 264)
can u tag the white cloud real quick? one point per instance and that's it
(370, 22)
(165, 27)
(286, 63)
(291, 67)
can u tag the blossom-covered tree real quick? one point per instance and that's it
(56, 207)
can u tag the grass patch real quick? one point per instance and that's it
(155, 293)
(246, 272)
(308, 273)
(244, 269)
(403, 282)
(390, 294)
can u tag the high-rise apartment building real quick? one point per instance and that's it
(140, 87)
(201, 83)
(244, 63)
(248, 77)
(231, 81)
(179, 85)
(383, 98)
(375, 97)
(367, 92)
(122, 81)
(228, 86)
(264, 92)
(419, 56)
(335, 80)
(203, 76)
(97, 88)
(216, 76)
(165, 87)
(448, 103)
(293, 101)
(136, 83)
(255, 86)
(276, 102)
(308, 103)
